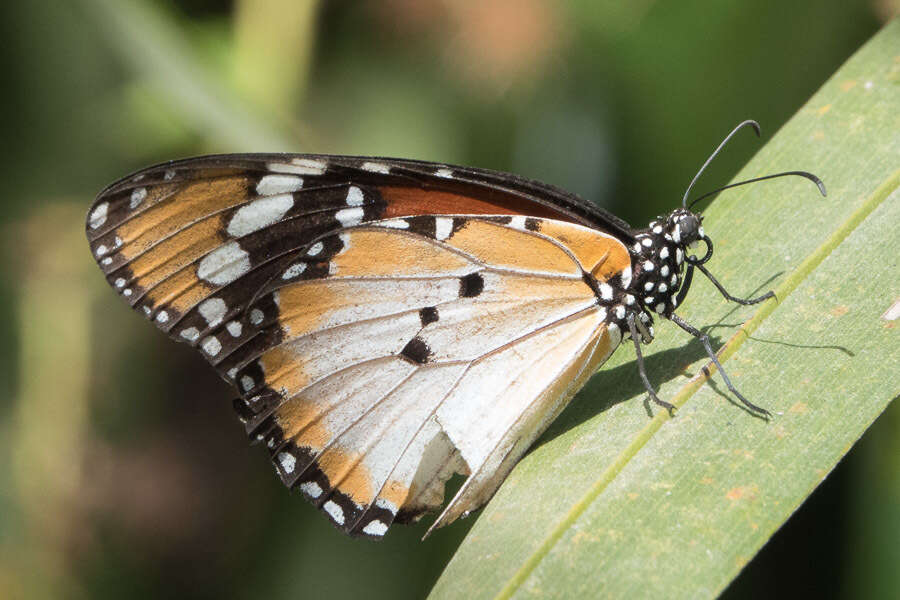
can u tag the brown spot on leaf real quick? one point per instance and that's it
(741, 492)
(798, 408)
(839, 311)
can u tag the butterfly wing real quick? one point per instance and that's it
(375, 361)
(417, 348)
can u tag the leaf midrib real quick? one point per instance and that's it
(785, 289)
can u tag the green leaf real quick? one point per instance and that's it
(613, 503)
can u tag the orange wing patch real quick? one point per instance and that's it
(410, 256)
(507, 248)
(601, 255)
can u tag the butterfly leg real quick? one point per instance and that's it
(721, 288)
(704, 339)
(636, 338)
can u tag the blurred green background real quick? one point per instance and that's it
(123, 472)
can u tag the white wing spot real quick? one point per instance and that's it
(162, 316)
(256, 316)
(657, 229)
(259, 214)
(224, 264)
(647, 242)
(626, 276)
(335, 511)
(664, 253)
(234, 328)
(676, 235)
(679, 255)
(294, 270)
(674, 279)
(213, 310)
(349, 217)
(232, 372)
(445, 173)
(629, 299)
(190, 334)
(211, 345)
(648, 265)
(375, 527)
(137, 196)
(101, 250)
(126, 292)
(120, 282)
(660, 307)
(271, 185)
(106, 261)
(355, 196)
(247, 383)
(662, 288)
(648, 286)
(620, 311)
(315, 249)
(649, 300)
(518, 222)
(443, 227)
(169, 174)
(395, 224)
(312, 488)
(664, 271)
(299, 166)
(606, 291)
(98, 215)
(375, 167)
(288, 461)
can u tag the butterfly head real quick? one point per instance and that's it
(684, 227)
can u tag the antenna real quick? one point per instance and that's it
(805, 174)
(748, 122)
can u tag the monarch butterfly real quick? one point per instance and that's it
(388, 323)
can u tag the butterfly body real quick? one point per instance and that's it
(386, 323)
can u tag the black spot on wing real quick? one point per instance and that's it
(422, 225)
(427, 315)
(532, 224)
(471, 285)
(502, 220)
(416, 351)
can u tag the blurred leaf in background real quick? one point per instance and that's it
(122, 469)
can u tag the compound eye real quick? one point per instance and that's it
(690, 229)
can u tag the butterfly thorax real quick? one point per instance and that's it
(658, 257)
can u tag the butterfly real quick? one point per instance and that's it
(389, 323)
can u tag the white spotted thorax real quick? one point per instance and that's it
(658, 260)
